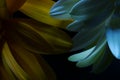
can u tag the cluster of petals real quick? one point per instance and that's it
(97, 24)
(23, 39)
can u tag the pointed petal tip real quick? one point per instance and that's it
(73, 58)
(56, 10)
(61, 15)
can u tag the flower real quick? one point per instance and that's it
(23, 39)
(97, 25)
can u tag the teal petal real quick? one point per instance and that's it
(86, 9)
(101, 19)
(86, 37)
(61, 8)
(103, 62)
(81, 55)
(95, 54)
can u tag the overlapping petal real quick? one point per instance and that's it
(103, 62)
(61, 9)
(86, 37)
(6, 73)
(79, 25)
(80, 56)
(39, 10)
(14, 66)
(92, 20)
(86, 9)
(20, 39)
(39, 37)
(16, 57)
(95, 54)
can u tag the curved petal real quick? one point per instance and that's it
(14, 5)
(5, 72)
(24, 64)
(113, 40)
(39, 38)
(81, 55)
(61, 9)
(86, 9)
(31, 65)
(86, 37)
(79, 25)
(14, 66)
(97, 52)
(76, 26)
(39, 10)
(103, 62)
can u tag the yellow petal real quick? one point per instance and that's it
(39, 10)
(14, 5)
(11, 62)
(6, 74)
(29, 63)
(3, 9)
(39, 38)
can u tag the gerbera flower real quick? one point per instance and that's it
(97, 24)
(22, 40)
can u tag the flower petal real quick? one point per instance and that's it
(97, 52)
(86, 37)
(30, 64)
(114, 41)
(86, 9)
(103, 62)
(61, 9)
(39, 38)
(14, 66)
(6, 73)
(81, 55)
(14, 5)
(91, 23)
(39, 10)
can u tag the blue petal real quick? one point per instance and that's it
(86, 37)
(95, 55)
(61, 8)
(76, 26)
(86, 9)
(113, 39)
(92, 22)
